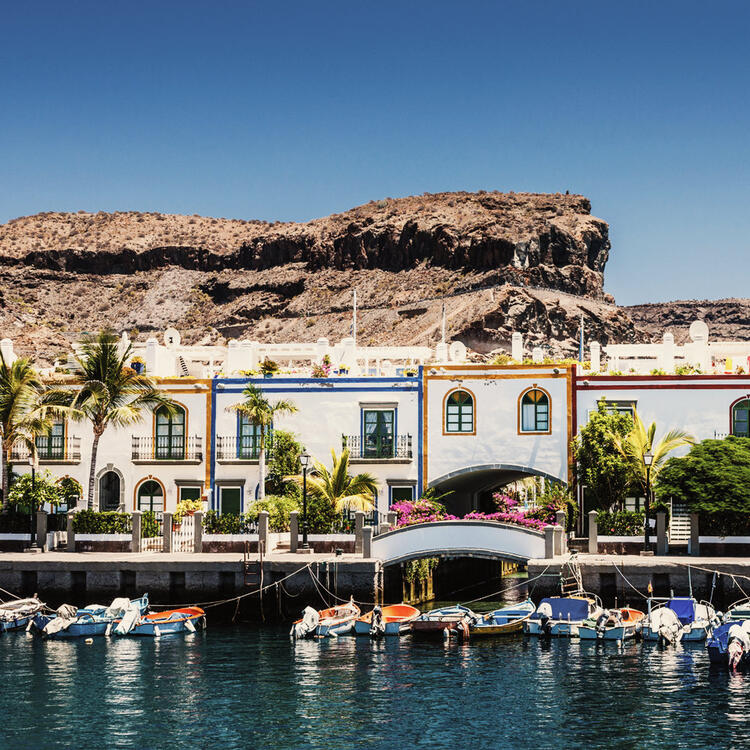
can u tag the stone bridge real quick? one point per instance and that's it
(459, 538)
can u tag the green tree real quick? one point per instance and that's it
(283, 464)
(341, 490)
(27, 410)
(28, 494)
(713, 478)
(600, 466)
(261, 412)
(640, 441)
(110, 392)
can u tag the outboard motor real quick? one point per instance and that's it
(545, 616)
(307, 625)
(601, 624)
(738, 645)
(377, 626)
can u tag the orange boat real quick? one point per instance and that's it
(185, 620)
(393, 619)
(334, 621)
(612, 625)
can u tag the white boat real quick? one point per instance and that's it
(16, 614)
(612, 625)
(563, 615)
(680, 618)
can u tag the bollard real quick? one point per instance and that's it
(559, 544)
(293, 530)
(71, 543)
(391, 518)
(135, 541)
(41, 530)
(367, 542)
(166, 530)
(661, 534)
(549, 542)
(694, 548)
(198, 532)
(359, 525)
(263, 531)
(561, 519)
(593, 533)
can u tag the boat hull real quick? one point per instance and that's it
(694, 634)
(19, 623)
(618, 633)
(396, 620)
(161, 627)
(74, 630)
(557, 628)
(361, 627)
(342, 628)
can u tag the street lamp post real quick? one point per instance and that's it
(304, 459)
(32, 463)
(648, 459)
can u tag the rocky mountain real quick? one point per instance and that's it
(500, 262)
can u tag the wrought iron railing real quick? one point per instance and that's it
(148, 448)
(378, 446)
(50, 448)
(233, 447)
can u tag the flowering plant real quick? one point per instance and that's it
(323, 370)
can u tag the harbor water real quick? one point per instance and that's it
(245, 686)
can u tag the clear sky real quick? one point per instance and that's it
(295, 110)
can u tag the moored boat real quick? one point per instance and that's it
(333, 621)
(740, 610)
(562, 615)
(392, 619)
(612, 625)
(16, 614)
(94, 620)
(679, 618)
(444, 622)
(503, 621)
(169, 622)
(729, 645)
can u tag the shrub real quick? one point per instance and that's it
(45, 490)
(15, 523)
(620, 522)
(279, 509)
(104, 522)
(227, 523)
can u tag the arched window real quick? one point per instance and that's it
(741, 418)
(109, 491)
(534, 411)
(150, 496)
(170, 434)
(459, 412)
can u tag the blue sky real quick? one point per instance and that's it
(291, 111)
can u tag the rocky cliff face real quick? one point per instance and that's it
(501, 262)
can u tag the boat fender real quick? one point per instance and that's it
(157, 632)
(108, 631)
(189, 625)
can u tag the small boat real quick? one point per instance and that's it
(679, 618)
(96, 619)
(504, 621)
(16, 614)
(740, 610)
(334, 621)
(393, 619)
(170, 622)
(563, 615)
(444, 622)
(729, 645)
(612, 625)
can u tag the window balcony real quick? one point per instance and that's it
(149, 450)
(378, 448)
(231, 449)
(51, 450)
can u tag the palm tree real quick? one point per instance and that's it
(261, 412)
(640, 441)
(27, 410)
(343, 491)
(111, 392)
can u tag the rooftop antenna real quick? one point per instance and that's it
(580, 342)
(443, 323)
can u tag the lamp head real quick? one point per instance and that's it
(304, 459)
(648, 458)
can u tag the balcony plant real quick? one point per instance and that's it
(138, 364)
(323, 369)
(269, 368)
(186, 508)
(410, 372)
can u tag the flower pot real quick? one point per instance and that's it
(139, 367)
(267, 374)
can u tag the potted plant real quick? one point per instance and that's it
(322, 370)
(268, 367)
(138, 364)
(410, 372)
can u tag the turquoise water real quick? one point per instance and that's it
(246, 687)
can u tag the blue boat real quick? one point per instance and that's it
(736, 633)
(17, 614)
(94, 620)
(171, 622)
(562, 615)
(504, 621)
(676, 619)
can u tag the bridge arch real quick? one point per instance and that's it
(468, 483)
(472, 538)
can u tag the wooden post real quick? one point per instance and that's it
(71, 544)
(198, 532)
(293, 530)
(135, 541)
(593, 533)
